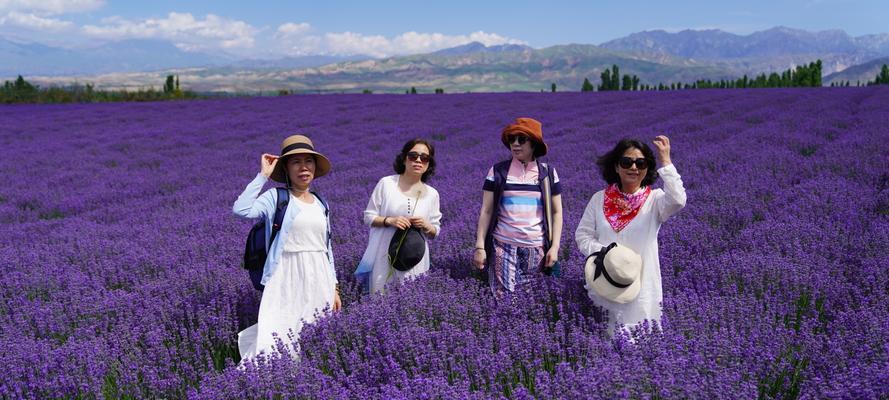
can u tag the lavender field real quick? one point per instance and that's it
(121, 274)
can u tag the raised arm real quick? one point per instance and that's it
(674, 191)
(250, 204)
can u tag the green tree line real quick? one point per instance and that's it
(801, 76)
(22, 91)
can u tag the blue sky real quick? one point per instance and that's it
(267, 28)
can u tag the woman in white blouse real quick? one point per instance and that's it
(399, 202)
(630, 213)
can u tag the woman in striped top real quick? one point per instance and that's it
(520, 223)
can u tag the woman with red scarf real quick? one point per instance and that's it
(630, 213)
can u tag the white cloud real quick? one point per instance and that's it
(293, 29)
(50, 7)
(182, 28)
(35, 22)
(349, 43)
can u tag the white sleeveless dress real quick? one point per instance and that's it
(300, 287)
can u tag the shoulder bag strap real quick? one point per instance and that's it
(546, 194)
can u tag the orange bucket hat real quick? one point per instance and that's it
(527, 126)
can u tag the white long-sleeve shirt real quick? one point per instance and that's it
(640, 235)
(387, 200)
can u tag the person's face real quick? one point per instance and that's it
(301, 170)
(520, 146)
(413, 161)
(632, 176)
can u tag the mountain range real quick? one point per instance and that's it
(654, 56)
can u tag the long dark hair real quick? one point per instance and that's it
(609, 160)
(399, 166)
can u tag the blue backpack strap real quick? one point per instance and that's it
(326, 213)
(323, 203)
(280, 210)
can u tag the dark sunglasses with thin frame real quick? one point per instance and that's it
(627, 162)
(414, 156)
(521, 138)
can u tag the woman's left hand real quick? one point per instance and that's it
(337, 303)
(551, 257)
(423, 225)
(663, 150)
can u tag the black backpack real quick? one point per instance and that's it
(256, 252)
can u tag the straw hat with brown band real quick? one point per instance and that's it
(299, 144)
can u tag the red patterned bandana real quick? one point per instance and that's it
(621, 208)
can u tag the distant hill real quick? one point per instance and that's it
(514, 69)
(466, 68)
(858, 73)
(124, 56)
(654, 56)
(476, 47)
(765, 51)
(295, 62)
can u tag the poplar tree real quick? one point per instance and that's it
(882, 77)
(606, 80)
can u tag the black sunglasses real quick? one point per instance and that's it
(414, 156)
(521, 138)
(627, 162)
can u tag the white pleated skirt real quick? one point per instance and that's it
(300, 288)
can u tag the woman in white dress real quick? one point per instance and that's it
(399, 202)
(630, 213)
(298, 274)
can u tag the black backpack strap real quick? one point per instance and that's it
(545, 181)
(501, 169)
(280, 210)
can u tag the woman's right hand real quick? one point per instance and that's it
(397, 222)
(267, 164)
(478, 258)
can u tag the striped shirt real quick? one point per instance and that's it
(520, 221)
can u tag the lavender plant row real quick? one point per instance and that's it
(121, 273)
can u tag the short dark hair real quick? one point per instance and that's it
(609, 160)
(537, 149)
(398, 165)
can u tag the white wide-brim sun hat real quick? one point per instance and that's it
(620, 276)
